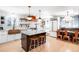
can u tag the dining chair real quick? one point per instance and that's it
(75, 36)
(66, 35)
(59, 36)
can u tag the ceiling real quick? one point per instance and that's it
(50, 10)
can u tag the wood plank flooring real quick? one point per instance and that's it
(51, 45)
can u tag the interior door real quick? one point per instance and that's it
(54, 25)
(54, 28)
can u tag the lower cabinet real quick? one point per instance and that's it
(5, 37)
(17, 36)
(14, 37)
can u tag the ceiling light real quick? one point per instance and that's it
(39, 14)
(68, 18)
(29, 17)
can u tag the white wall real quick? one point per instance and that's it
(54, 25)
(2, 13)
(10, 19)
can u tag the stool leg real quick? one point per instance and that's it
(36, 42)
(39, 41)
(34, 46)
(38, 45)
(30, 45)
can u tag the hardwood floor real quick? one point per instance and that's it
(51, 45)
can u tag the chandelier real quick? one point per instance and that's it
(68, 18)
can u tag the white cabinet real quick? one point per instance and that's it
(10, 37)
(14, 37)
(18, 36)
(3, 37)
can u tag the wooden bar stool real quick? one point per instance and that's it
(34, 42)
(42, 39)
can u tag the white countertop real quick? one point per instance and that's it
(33, 32)
(3, 32)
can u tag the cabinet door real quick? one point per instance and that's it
(10, 37)
(3, 38)
(14, 37)
(17, 36)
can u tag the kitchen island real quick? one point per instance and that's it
(32, 39)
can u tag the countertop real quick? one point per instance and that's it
(3, 32)
(33, 32)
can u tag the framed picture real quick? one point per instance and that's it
(2, 22)
(2, 17)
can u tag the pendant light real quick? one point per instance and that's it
(40, 19)
(29, 17)
(39, 14)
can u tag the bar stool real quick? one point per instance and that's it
(33, 42)
(42, 39)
